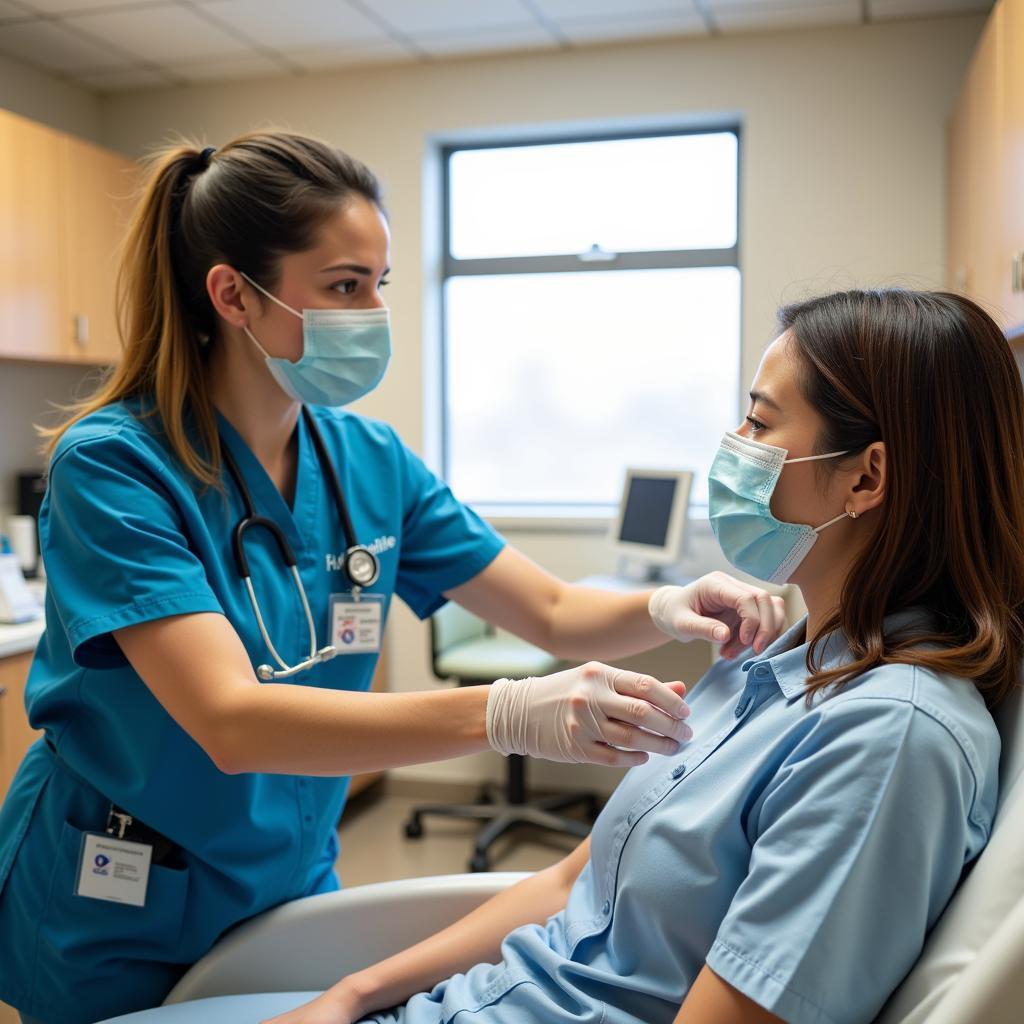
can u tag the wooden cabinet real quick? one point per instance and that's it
(1013, 152)
(95, 190)
(31, 256)
(16, 735)
(985, 215)
(62, 211)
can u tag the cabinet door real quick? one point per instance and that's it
(986, 274)
(1013, 151)
(95, 189)
(16, 736)
(31, 265)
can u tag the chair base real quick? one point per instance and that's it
(503, 816)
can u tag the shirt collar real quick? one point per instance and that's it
(787, 656)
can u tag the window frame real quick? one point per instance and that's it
(576, 514)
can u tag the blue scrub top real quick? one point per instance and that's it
(803, 853)
(128, 537)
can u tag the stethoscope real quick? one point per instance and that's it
(359, 563)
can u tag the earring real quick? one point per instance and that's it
(852, 514)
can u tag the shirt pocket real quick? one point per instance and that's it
(81, 929)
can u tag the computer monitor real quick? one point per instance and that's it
(651, 525)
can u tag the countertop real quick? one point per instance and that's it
(23, 638)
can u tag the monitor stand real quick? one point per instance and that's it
(636, 570)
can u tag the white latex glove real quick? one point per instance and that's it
(720, 609)
(584, 714)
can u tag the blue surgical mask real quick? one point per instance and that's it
(344, 353)
(741, 482)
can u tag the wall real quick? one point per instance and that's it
(60, 104)
(842, 178)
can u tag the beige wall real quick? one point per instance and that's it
(842, 178)
(48, 99)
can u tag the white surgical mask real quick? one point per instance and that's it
(344, 353)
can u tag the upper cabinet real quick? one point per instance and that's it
(985, 224)
(1013, 154)
(63, 208)
(95, 186)
(32, 315)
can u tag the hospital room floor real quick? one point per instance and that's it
(374, 847)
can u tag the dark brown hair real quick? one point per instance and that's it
(247, 204)
(930, 375)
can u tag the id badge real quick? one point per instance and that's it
(356, 623)
(116, 870)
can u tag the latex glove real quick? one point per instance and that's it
(721, 609)
(583, 714)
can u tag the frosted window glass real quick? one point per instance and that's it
(624, 195)
(557, 382)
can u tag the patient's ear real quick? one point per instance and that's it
(868, 491)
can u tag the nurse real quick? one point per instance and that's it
(215, 529)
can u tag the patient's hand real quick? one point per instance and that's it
(721, 609)
(335, 1006)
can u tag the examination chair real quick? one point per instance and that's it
(971, 970)
(470, 651)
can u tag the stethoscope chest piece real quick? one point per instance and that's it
(361, 566)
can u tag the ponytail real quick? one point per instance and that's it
(261, 196)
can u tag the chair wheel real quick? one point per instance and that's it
(478, 862)
(413, 828)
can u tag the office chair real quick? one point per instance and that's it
(471, 652)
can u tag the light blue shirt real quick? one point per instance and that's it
(128, 537)
(802, 853)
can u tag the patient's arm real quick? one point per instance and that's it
(474, 939)
(712, 1000)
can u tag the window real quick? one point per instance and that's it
(591, 316)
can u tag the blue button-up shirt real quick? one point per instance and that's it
(802, 852)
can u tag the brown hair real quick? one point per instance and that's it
(247, 204)
(930, 375)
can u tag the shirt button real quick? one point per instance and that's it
(302, 783)
(308, 819)
(762, 671)
(678, 770)
(606, 906)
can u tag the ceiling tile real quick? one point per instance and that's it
(622, 9)
(732, 16)
(599, 30)
(160, 33)
(512, 37)
(326, 58)
(53, 46)
(63, 7)
(414, 17)
(217, 69)
(880, 10)
(310, 23)
(130, 78)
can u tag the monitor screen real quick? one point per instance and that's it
(645, 519)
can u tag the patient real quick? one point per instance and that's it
(789, 862)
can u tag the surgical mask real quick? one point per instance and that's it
(344, 353)
(741, 482)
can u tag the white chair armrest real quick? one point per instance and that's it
(308, 944)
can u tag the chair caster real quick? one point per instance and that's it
(413, 828)
(478, 862)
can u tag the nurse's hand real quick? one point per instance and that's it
(592, 714)
(720, 609)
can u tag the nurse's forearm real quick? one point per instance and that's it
(590, 624)
(474, 939)
(304, 730)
